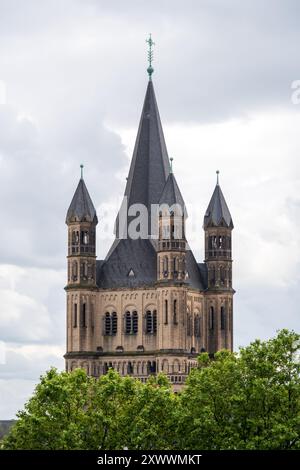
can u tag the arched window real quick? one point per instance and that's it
(114, 323)
(166, 231)
(154, 321)
(85, 238)
(223, 318)
(129, 368)
(90, 271)
(135, 322)
(127, 323)
(148, 321)
(151, 367)
(75, 316)
(175, 266)
(175, 312)
(83, 315)
(74, 270)
(212, 276)
(214, 242)
(220, 241)
(189, 324)
(197, 326)
(107, 324)
(165, 266)
(222, 275)
(85, 269)
(211, 318)
(75, 237)
(166, 312)
(151, 322)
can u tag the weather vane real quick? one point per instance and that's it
(150, 43)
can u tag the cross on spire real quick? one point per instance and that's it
(150, 43)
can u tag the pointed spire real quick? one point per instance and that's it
(217, 213)
(171, 194)
(150, 163)
(81, 208)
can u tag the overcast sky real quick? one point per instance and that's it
(72, 84)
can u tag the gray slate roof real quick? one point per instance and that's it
(171, 194)
(217, 213)
(146, 182)
(81, 207)
(150, 165)
(140, 257)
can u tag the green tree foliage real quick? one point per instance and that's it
(249, 400)
(245, 401)
(74, 411)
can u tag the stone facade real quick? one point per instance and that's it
(114, 318)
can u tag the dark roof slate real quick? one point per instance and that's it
(149, 171)
(217, 213)
(140, 257)
(81, 207)
(171, 194)
(150, 163)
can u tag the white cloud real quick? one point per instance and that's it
(14, 394)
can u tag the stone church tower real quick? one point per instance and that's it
(149, 306)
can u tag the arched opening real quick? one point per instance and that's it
(212, 276)
(107, 324)
(83, 315)
(127, 323)
(211, 318)
(154, 321)
(165, 266)
(197, 326)
(222, 275)
(151, 322)
(74, 271)
(75, 316)
(175, 319)
(166, 312)
(148, 321)
(175, 266)
(134, 322)
(223, 318)
(114, 323)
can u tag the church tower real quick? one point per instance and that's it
(171, 235)
(218, 227)
(82, 221)
(148, 306)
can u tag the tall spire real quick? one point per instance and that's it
(171, 194)
(150, 165)
(217, 213)
(81, 208)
